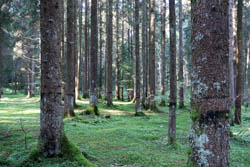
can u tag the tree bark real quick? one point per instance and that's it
(173, 87)
(51, 116)
(117, 69)
(210, 101)
(62, 50)
(152, 104)
(100, 52)
(86, 67)
(137, 57)
(109, 45)
(239, 64)
(94, 52)
(144, 52)
(181, 77)
(70, 84)
(231, 58)
(163, 52)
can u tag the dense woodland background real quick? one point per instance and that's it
(112, 59)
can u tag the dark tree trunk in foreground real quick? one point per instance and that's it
(137, 57)
(109, 44)
(86, 67)
(76, 56)
(210, 101)
(93, 53)
(180, 75)
(173, 83)
(70, 78)
(152, 103)
(163, 52)
(51, 117)
(239, 64)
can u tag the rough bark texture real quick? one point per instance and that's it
(239, 64)
(173, 83)
(143, 52)
(86, 55)
(109, 45)
(152, 104)
(117, 69)
(100, 52)
(163, 51)
(70, 78)
(231, 57)
(180, 74)
(51, 116)
(80, 53)
(137, 57)
(62, 49)
(93, 53)
(76, 56)
(210, 101)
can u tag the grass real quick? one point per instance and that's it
(116, 138)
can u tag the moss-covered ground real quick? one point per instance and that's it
(116, 138)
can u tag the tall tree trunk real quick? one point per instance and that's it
(152, 104)
(62, 49)
(231, 58)
(239, 64)
(70, 86)
(51, 117)
(163, 52)
(137, 59)
(246, 47)
(117, 70)
(181, 77)
(80, 54)
(94, 54)
(109, 45)
(210, 101)
(76, 58)
(86, 68)
(248, 72)
(100, 52)
(172, 100)
(144, 52)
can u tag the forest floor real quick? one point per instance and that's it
(120, 141)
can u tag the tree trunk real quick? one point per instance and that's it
(210, 101)
(143, 52)
(94, 52)
(163, 52)
(76, 81)
(51, 117)
(172, 100)
(181, 78)
(62, 50)
(239, 64)
(152, 104)
(85, 77)
(100, 52)
(80, 54)
(70, 86)
(109, 45)
(138, 111)
(117, 70)
(231, 58)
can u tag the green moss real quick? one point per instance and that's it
(73, 153)
(92, 110)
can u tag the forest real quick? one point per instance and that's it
(124, 83)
